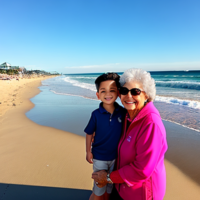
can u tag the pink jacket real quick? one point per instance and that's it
(141, 157)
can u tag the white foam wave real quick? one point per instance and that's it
(80, 84)
(180, 102)
(119, 102)
(59, 93)
(83, 77)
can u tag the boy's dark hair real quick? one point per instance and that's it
(107, 76)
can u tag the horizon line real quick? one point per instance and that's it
(147, 71)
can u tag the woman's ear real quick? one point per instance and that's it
(147, 97)
(97, 95)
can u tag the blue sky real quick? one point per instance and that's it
(77, 36)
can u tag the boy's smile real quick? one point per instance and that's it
(108, 92)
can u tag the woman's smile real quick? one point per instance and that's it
(129, 102)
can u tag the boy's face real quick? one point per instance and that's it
(108, 92)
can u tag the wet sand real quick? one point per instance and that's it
(35, 155)
(186, 116)
(182, 163)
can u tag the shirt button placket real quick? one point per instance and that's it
(110, 117)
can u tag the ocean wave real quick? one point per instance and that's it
(76, 95)
(82, 77)
(175, 76)
(179, 84)
(180, 102)
(119, 102)
(80, 84)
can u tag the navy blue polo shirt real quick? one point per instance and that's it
(107, 128)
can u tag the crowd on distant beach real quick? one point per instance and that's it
(8, 77)
(19, 76)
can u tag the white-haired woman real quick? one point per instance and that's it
(140, 171)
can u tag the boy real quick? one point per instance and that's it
(106, 122)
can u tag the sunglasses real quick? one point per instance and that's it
(134, 91)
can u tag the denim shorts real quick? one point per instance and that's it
(103, 165)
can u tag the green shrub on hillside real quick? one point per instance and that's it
(9, 71)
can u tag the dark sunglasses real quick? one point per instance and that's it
(134, 91)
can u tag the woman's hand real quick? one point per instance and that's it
(89, 157)
(100, 178)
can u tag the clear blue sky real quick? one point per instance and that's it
(76, 36)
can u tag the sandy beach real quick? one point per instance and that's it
(31, 154)
(35, 155)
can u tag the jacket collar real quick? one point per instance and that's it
(148, 108)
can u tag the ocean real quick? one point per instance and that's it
(177, 96)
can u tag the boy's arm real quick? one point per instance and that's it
(89, 155)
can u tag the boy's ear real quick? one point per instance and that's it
(97, 95)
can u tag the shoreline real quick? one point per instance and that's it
(10, 91)
(42, 156)
(88, 98)
(193, 129)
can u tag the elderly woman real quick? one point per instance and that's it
(140, 171)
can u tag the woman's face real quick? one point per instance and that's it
(131, 102)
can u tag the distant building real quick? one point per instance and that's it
(54, 73)
(38, 72)
(7, 66)
(22, 70)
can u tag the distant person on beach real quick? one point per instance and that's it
(140, 172)
(106, 122)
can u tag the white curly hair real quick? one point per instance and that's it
(143, 77)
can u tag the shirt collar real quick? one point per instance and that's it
(128, 117)
(103, 110)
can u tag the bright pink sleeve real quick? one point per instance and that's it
(115, 177)
(148, 151)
